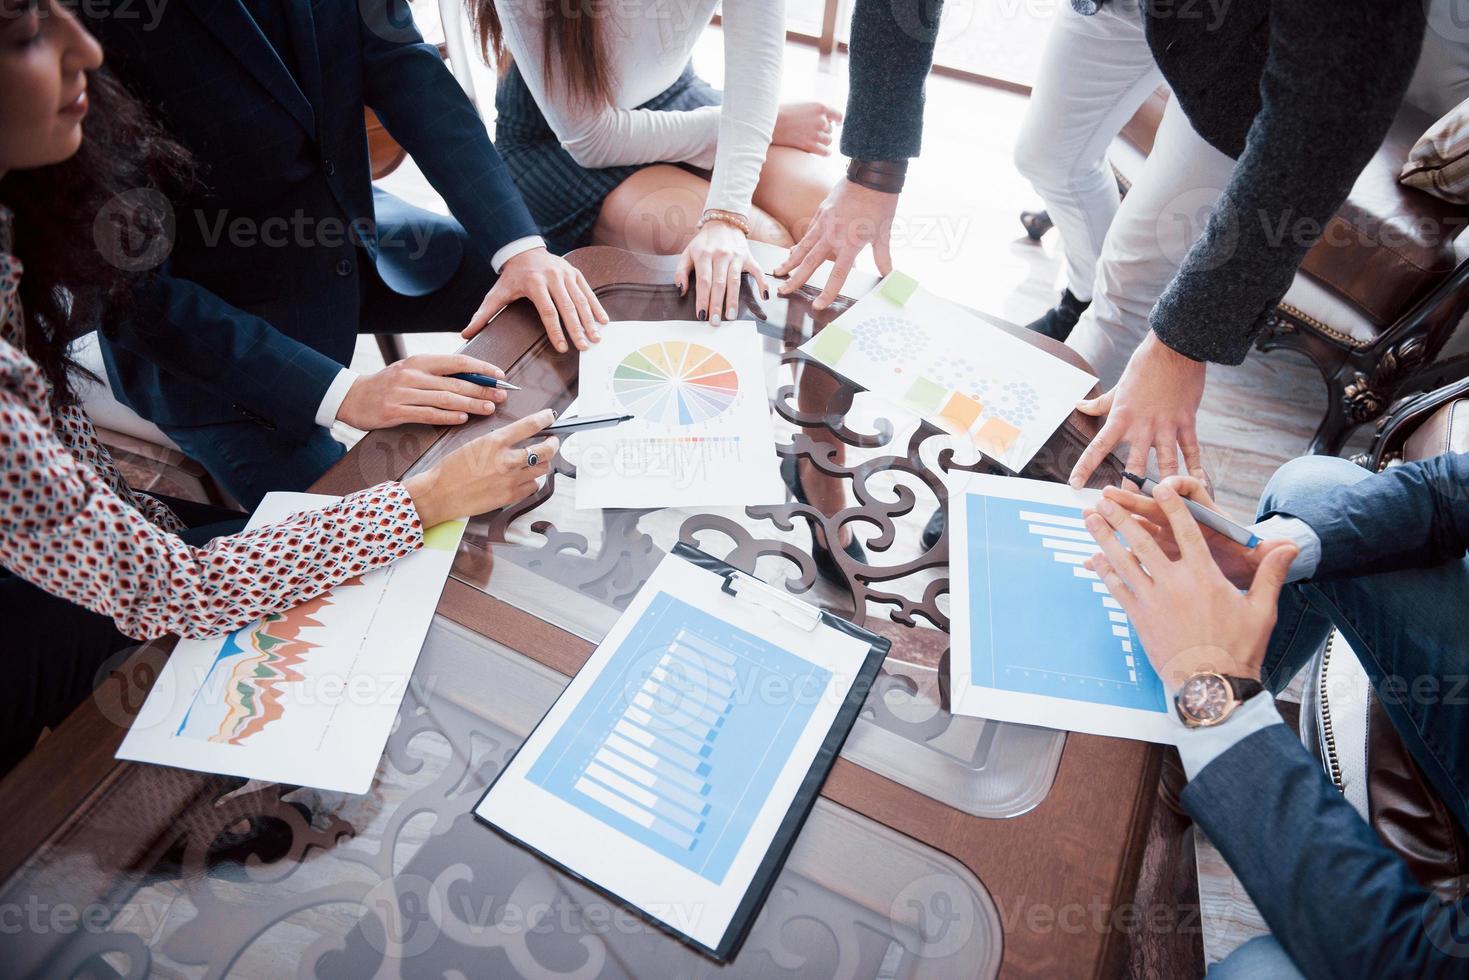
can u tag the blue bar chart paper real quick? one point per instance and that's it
(657, 750)
(675, 771)
(1041, 640)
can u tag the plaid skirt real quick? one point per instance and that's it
(563, 196)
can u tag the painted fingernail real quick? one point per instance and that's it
(703, 314)
(732, 312)
(463, 417)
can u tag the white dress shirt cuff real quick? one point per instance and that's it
(336, 393)
(510, 251)
(1200, 746)
(1297, 530)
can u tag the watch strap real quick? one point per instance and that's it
(1244, 688)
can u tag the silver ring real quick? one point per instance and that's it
(531, 458)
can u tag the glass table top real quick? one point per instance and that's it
(260, 880)
(578, 569)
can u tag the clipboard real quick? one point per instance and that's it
(613, 799)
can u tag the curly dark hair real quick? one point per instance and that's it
(70, 218)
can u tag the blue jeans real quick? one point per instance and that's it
(1410, 629)
(1262, 958)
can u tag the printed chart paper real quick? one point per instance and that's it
(701, 435)
(664, 771)
(1036, 637)
(306, 696)
(966, 376)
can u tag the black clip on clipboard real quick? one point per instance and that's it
(748, 588)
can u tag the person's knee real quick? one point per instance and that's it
(1041, 161)
(1305, 477)
(1035, 160)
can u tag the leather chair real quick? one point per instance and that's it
(1342, 720)
(1378, 297)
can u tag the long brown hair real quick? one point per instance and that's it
(571, 45)
(73, 282)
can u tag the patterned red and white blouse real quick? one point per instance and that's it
(71, 525)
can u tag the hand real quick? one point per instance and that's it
(718, 256)
(415, 389)
(1238, 563)
(484, 475)
(561, 294)
(806, 126)
(851, 218)
(1189, 617)
(1154, 406)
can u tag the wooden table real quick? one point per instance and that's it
(185, 854)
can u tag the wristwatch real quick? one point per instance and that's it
(1208, 699)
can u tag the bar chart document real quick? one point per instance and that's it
(307, 695)
(665, 771)
(701, 432)
(1036, 637)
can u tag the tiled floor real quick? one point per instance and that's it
(960, 236)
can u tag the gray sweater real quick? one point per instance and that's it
(1300, 92)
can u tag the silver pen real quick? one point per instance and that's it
(1211, 519)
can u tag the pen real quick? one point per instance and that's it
(485, 380)
(580, 423)
(1213, 520)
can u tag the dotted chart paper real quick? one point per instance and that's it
(966, 376)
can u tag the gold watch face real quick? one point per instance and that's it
(1205, 698)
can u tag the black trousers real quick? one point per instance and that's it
(56, 651)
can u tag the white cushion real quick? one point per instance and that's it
(98, 401)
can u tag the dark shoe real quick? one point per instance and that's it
(1061, 318)
(825, 563)
(933, 530)
(1036, 224)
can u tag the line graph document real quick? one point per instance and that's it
(1036, 637)
(701, 433)
(305, 696)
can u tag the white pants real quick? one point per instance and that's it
(1163, 215)
(1094, 74)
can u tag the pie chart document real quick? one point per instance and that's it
(701, 435)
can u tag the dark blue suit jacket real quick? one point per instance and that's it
(1339, 902)
(1336, 898)
(258, 306)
